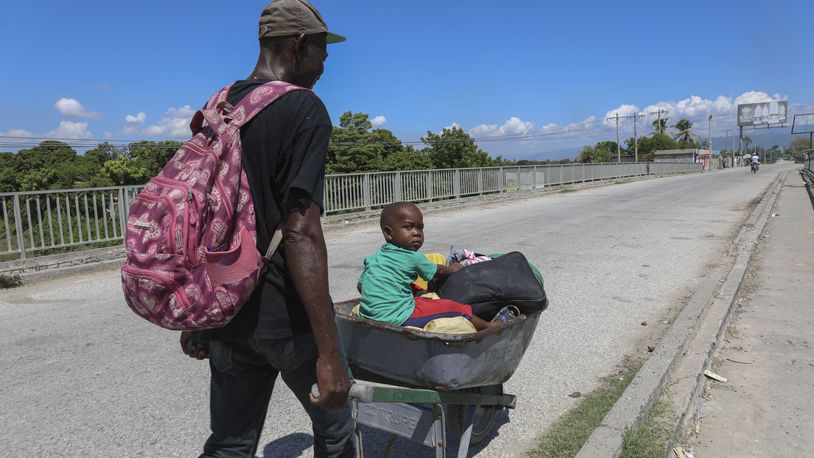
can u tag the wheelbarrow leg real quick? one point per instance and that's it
(439, 425)
(357, 442)
(463, 445)
(357, 431)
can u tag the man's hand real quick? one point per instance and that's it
(333, 382)
(192, 348)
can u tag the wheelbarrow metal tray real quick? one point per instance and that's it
(437, 361)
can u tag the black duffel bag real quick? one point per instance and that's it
(491, 285)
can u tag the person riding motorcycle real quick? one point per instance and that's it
(755, 163)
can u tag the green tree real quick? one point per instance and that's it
(586, 154)
(605, 152)
(685, 134)
(649, 145)
(660, 125)
(409, 159)
(8, 175)
(454, 148)
(35, 180)
(49, 165)
(152, 156)
(746, 141)
(354, 147)
(125, 171)
(798, 147)
(103, 153)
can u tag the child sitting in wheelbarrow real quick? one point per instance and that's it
(385, 283)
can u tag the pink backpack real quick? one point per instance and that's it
(192, 258)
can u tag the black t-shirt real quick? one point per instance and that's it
(284, 151)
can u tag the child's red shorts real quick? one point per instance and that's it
(427, 310)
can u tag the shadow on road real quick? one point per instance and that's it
(291, 445)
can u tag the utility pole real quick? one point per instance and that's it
(635, 117)
(618, 146)
(658, 114)
(726, 143)
(635, 137)
(616, 117)
(710, 142)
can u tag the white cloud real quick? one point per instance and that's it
(136, 119)
(16, 133)
(454, 125)
(694, 108)
(71, 130)
(513, 126)
(621, 110)
(378, 121)
(572, 129)
(175, 123)
(72, 107)
(21, 138)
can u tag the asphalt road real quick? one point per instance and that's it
(83, 376)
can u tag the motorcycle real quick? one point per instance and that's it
(755, 166)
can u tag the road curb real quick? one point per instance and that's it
(650, 381)
(688, 381)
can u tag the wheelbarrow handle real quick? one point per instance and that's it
(357, 392)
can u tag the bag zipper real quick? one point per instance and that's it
(171, 208)
(163, 280)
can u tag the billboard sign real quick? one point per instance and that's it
(763, 113)
(803, 123)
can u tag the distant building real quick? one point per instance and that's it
(690, 155)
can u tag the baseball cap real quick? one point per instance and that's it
(282, 18)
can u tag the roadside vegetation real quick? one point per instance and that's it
(682, 136)
(10, 281)
(569, 433)
(652, 438)
(355, 146)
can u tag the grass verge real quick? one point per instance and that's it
(652, 437)
(10, 281)
(565, 190)
(569, 433)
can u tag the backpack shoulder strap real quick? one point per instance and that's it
(257, 100)
(276, 239)
(251, 105)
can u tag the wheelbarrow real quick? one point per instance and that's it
(413, 384)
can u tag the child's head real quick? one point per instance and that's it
(403, 225)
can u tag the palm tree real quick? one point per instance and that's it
(660, 125)
(685, 134)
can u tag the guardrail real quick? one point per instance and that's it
(41, 222)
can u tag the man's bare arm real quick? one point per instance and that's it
(307, 262)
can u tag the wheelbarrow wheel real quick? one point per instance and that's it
(485, 416)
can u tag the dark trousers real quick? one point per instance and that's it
(243, 375)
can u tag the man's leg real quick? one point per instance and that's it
(242, 381)
(296, 359)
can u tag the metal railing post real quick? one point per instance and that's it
(429, 185)
(501, 180)
(366, 191)
(480, 182)
(397, 194)
(18, 223)
(123, 217)
(534, 177)
(456, 183)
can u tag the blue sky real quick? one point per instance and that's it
(131, 70)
